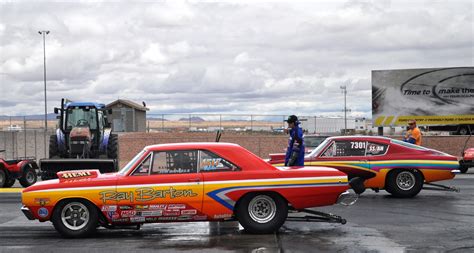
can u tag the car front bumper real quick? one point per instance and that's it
(27, 212)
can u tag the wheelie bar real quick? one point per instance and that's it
(317, 216)
(440, 187)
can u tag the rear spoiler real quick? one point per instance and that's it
(77, 174)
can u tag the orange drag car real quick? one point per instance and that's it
(183, 182)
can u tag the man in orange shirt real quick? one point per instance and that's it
(415, 131)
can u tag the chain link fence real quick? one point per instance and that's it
(24, 136)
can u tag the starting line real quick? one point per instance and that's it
(10, 190)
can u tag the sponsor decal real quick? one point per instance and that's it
(151, 219)
(167, 218)
(43, 212)
(76, 174)
(222, 216)
(126, 207)
(128, 213)
(171, 213)
(137, 219)
(42, 201)
(161, 206)
(113, 215)
(181, 218)
(109, 208)
(145, 194)
(199, 217)
(151, 213)
(189, 212)
(176, 206)
(141, 207)
(120, 220)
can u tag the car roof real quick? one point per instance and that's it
(192, 145)
(360, 137)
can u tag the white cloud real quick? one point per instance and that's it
(154, 55)
(242, 57)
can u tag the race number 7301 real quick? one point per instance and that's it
(358, 144)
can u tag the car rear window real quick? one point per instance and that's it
(408, 145)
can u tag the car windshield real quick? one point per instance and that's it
(318, 149)
(81, 116)
(313, 141)
(129, 164)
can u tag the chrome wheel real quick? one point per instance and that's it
(75, 216)
(262, 209)
(405, 180)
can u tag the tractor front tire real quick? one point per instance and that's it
(112, 146)
(53, 147)
(29, 176)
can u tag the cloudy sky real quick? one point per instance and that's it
(259, 57)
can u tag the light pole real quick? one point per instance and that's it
(344, 91)
(44, 33)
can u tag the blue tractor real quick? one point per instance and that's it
(83, 140)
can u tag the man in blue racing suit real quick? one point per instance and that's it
(295, 151)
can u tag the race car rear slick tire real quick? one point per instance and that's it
(75, 218)
(463, 168)
(404, 183)
(29, 176)
(262, 213)
(3, 178)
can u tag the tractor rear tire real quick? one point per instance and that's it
(53, 147)
(112, 146)
(29, 176)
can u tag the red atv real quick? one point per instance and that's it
(467, 160)
(23, 169)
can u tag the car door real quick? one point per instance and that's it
(221, 179)
(346, 155)
(166, 186)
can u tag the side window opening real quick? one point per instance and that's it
(376, 148)
(144, 167)
(346, 148)
(175, 162)
(210, 162)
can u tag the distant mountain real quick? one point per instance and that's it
(193, 119)
(51, 116)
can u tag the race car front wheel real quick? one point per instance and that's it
(404, 183)
(262, 213)
(75, 218)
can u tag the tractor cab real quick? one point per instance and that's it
(82, 124)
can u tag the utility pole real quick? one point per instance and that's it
(44, 33)
(344, 91)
